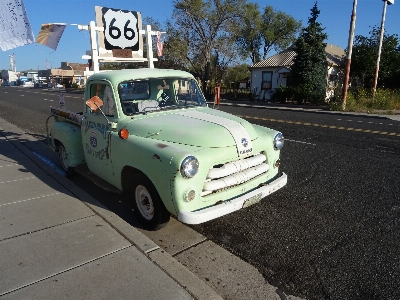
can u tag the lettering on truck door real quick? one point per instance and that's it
(97, 134)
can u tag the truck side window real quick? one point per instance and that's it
(105, 93)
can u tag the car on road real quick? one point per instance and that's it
(27, 84)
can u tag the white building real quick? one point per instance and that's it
(9, 77)
(32, 76)
(269, 74)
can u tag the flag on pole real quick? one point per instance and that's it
(160, 37)
(15, 29)
(13, 67)
(50, 34)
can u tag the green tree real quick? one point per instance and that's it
(308, 69)
(234, 74)
(364, 56)
(200, 34)
(258, 34)
(248, 36)
(278, 30)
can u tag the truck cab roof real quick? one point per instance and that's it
(117, 76)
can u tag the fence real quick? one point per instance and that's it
(230, 94)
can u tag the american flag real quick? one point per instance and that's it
(160, 37)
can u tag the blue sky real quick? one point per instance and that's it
(335, 17)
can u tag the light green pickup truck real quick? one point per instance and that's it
(150, 134)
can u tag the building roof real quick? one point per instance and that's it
(284, 58)
(74, 66)
(334, 56)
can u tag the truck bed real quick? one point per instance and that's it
(67, 115)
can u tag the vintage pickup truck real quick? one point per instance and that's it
(149, 133)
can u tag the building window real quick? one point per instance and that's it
(266, 83)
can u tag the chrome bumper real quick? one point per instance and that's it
(227, 207)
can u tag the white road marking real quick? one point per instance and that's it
(301, 142)
(349, 120)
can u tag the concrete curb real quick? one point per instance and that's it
(179, 273)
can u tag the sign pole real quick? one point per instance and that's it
(93, 46)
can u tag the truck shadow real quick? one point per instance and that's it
(20, 159)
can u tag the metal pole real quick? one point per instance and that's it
(349, 52)
(380, 46)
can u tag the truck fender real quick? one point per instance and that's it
(70, 136)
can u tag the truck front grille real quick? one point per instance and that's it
(234, 173)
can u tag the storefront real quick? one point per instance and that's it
(66, 75)
(60, 76)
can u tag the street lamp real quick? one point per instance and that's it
(386, 2)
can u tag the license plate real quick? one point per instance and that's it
(252, 200)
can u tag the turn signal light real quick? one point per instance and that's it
(123, 133)
(277, 163)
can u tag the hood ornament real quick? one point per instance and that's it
(244, 142)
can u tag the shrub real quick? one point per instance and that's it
(306, 94)
(361, 99)
(75, 85)
(254, 94)
(282, 94)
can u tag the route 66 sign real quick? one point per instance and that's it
(121, 32)
(93, 139)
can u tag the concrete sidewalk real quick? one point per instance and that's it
(57, 242)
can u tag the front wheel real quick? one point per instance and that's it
(64, 161)
(147, 204)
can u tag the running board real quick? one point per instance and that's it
(101, 183)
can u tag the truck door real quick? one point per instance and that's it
(97, 134)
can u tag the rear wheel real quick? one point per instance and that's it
(64, 161)
(147, 204)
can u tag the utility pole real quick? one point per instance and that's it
(386, 2)
(349, 52)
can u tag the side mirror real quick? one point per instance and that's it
(94, 103)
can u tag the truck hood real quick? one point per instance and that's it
(202, 127)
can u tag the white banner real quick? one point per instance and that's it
(15, 29)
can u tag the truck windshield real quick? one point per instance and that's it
(144, 95)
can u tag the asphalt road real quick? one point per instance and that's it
(332, 233)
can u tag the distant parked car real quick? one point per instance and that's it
(27, 84)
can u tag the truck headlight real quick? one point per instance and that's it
(279, 140)
(189, 167)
